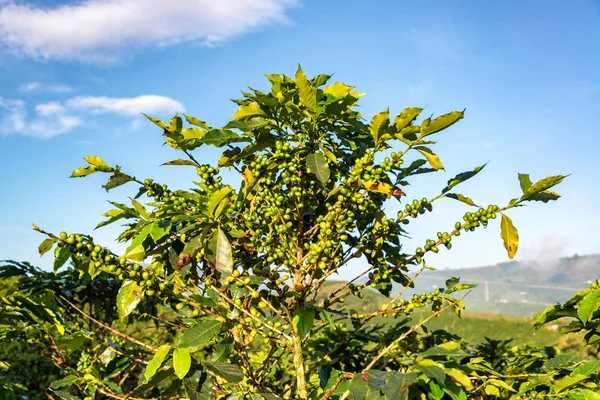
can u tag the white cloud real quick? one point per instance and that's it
(100, 30)
(52, 108)
(149, 104)
(14, 120)
(56, 118)
(44, 87)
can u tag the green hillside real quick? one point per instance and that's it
(518, 288)
(474, 327)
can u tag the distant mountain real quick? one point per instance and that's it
(518, 288)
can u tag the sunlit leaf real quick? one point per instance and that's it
(182, 361)
(128, 298)
(509, 235)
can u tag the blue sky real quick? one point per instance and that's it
(74, 77)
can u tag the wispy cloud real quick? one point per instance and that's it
(151, 104)
(44, 87)
(14, 120)
(100, 30)
(55, 118)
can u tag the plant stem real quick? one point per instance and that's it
(301, 391)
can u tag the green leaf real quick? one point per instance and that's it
(379, 124)
(433, 159)
(46, 245)
(406, 117)
(318, 165)
(567, 382)
(587, 368)
(509, 235)
(461, 198)
(320, 79)
(540, 186)
(544, 196)
(396, 384)
(83, 171)
(180, 162)
(176, 124)
(588, 305)
(501, 384)
(436, 392)
(156, 361)
(248, 111)
(460, 377)
(182, 361)
(200, 334)
(230, 372)
(116, 180)
(61, 255)
(65, 395)
(128, 298)
(157, 121)
(308, 93)
(525, 182)
(196, 121)
(220, 254)
(432, 370)
(66, 381)
(429, 127)
(584, 394)
(215, 199)
(96, 161)
(338, 90)
(222, 137)
(463, 176)
(136, 250)
(327, 317)
(158, 229)
(303, 321)
(140, 209)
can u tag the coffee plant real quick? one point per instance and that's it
(220, 293)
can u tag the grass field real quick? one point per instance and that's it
(473, 327)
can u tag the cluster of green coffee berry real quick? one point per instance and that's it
(394, 162)
(208, 176)
(364, 169)
(84, 364)
(102, 259)
(416, 208)
(480, 217)
(155, 190)
(404, 307)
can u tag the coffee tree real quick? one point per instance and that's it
(236, 270)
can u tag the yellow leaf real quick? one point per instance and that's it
(509, 235)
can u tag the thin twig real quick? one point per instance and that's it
(113, 330)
